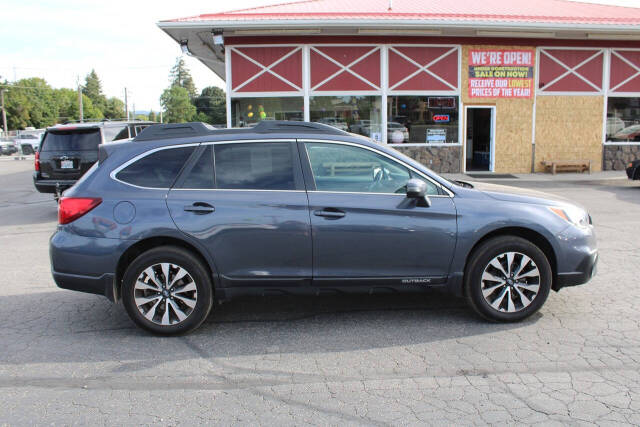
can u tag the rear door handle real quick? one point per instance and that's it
(330, 213)
(200, 208)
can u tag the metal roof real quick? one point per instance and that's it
(560, 12)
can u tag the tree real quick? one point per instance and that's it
(177, 105)
(181, 76)
(30, 102)
(152, 116)
(93, 89)
(114, 108)
(67, 101)
(212, 102)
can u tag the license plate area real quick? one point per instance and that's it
(66, 164)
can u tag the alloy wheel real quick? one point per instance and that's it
(165, 294)
(510, 282)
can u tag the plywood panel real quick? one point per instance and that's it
(513, 120)
(569, 128)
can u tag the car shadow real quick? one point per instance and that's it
(66, 327)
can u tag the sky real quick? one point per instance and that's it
(61, 41)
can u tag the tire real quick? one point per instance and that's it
(187, 294)
(522, 293)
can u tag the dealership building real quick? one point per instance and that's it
(465, 85)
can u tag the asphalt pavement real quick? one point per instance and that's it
(72, 358)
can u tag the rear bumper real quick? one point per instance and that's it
(101, 285)
(85, 264)
(51, 185)
(631, 172)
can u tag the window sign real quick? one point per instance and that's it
(436, 135)
(500, 73)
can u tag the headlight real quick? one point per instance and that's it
(573, 215)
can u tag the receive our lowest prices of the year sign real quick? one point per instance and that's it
(500, 73)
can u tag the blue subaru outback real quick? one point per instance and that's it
(188, 214)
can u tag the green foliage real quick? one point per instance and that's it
(93, 89)
(177, 105)
(212, 103)
(30, 102)
(181, 76)
(152, 116)
(114, 109)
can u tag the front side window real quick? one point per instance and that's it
(623, 119)
(345, 168)
(156, 170)
(254, 166)
(422, 120)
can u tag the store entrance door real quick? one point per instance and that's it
(480, 134)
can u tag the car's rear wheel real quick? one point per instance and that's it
(507, 279)
(167, 291)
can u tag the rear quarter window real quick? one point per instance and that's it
(156, 170)
(72, 140)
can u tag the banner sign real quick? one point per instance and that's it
(501, 73)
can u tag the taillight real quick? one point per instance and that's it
(37, 162)
(72, 208)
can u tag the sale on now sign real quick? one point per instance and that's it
(500, 74)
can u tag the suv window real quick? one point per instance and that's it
(345, 168)
(114, 133)
(254, 166)
(156, 170)
(72, 140)
(201, 174)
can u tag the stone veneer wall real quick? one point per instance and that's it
(616, 157)
(439, 159)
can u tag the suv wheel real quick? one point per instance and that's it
(507, 279)
(167, 290)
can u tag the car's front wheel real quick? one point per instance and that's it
(167, 291)
(507, 279)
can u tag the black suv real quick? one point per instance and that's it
(68, 151)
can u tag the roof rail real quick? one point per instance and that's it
(284, 126)
(174, 130)
(186, 130)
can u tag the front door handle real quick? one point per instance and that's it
(330, 213)
(200, 208)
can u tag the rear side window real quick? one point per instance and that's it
(156, 170)
(254, 166)
(114, 133)
(201, 174)
(72, 140)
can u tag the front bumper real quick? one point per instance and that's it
(578, 257)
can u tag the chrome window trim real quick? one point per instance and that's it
(448, 194)
(114, 172)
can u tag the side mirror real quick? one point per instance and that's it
(417, 189)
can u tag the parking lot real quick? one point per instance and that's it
(70, 357)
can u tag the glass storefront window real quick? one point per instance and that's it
(357, 114)
(422, 119)
(623, 119)
(249, 111)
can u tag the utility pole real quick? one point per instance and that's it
(4, 114)
(133, 113)
(80, 101)
(126, 104)
(161, 116)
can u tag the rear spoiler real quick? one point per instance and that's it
(104, 151)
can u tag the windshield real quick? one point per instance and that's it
(71, 140)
